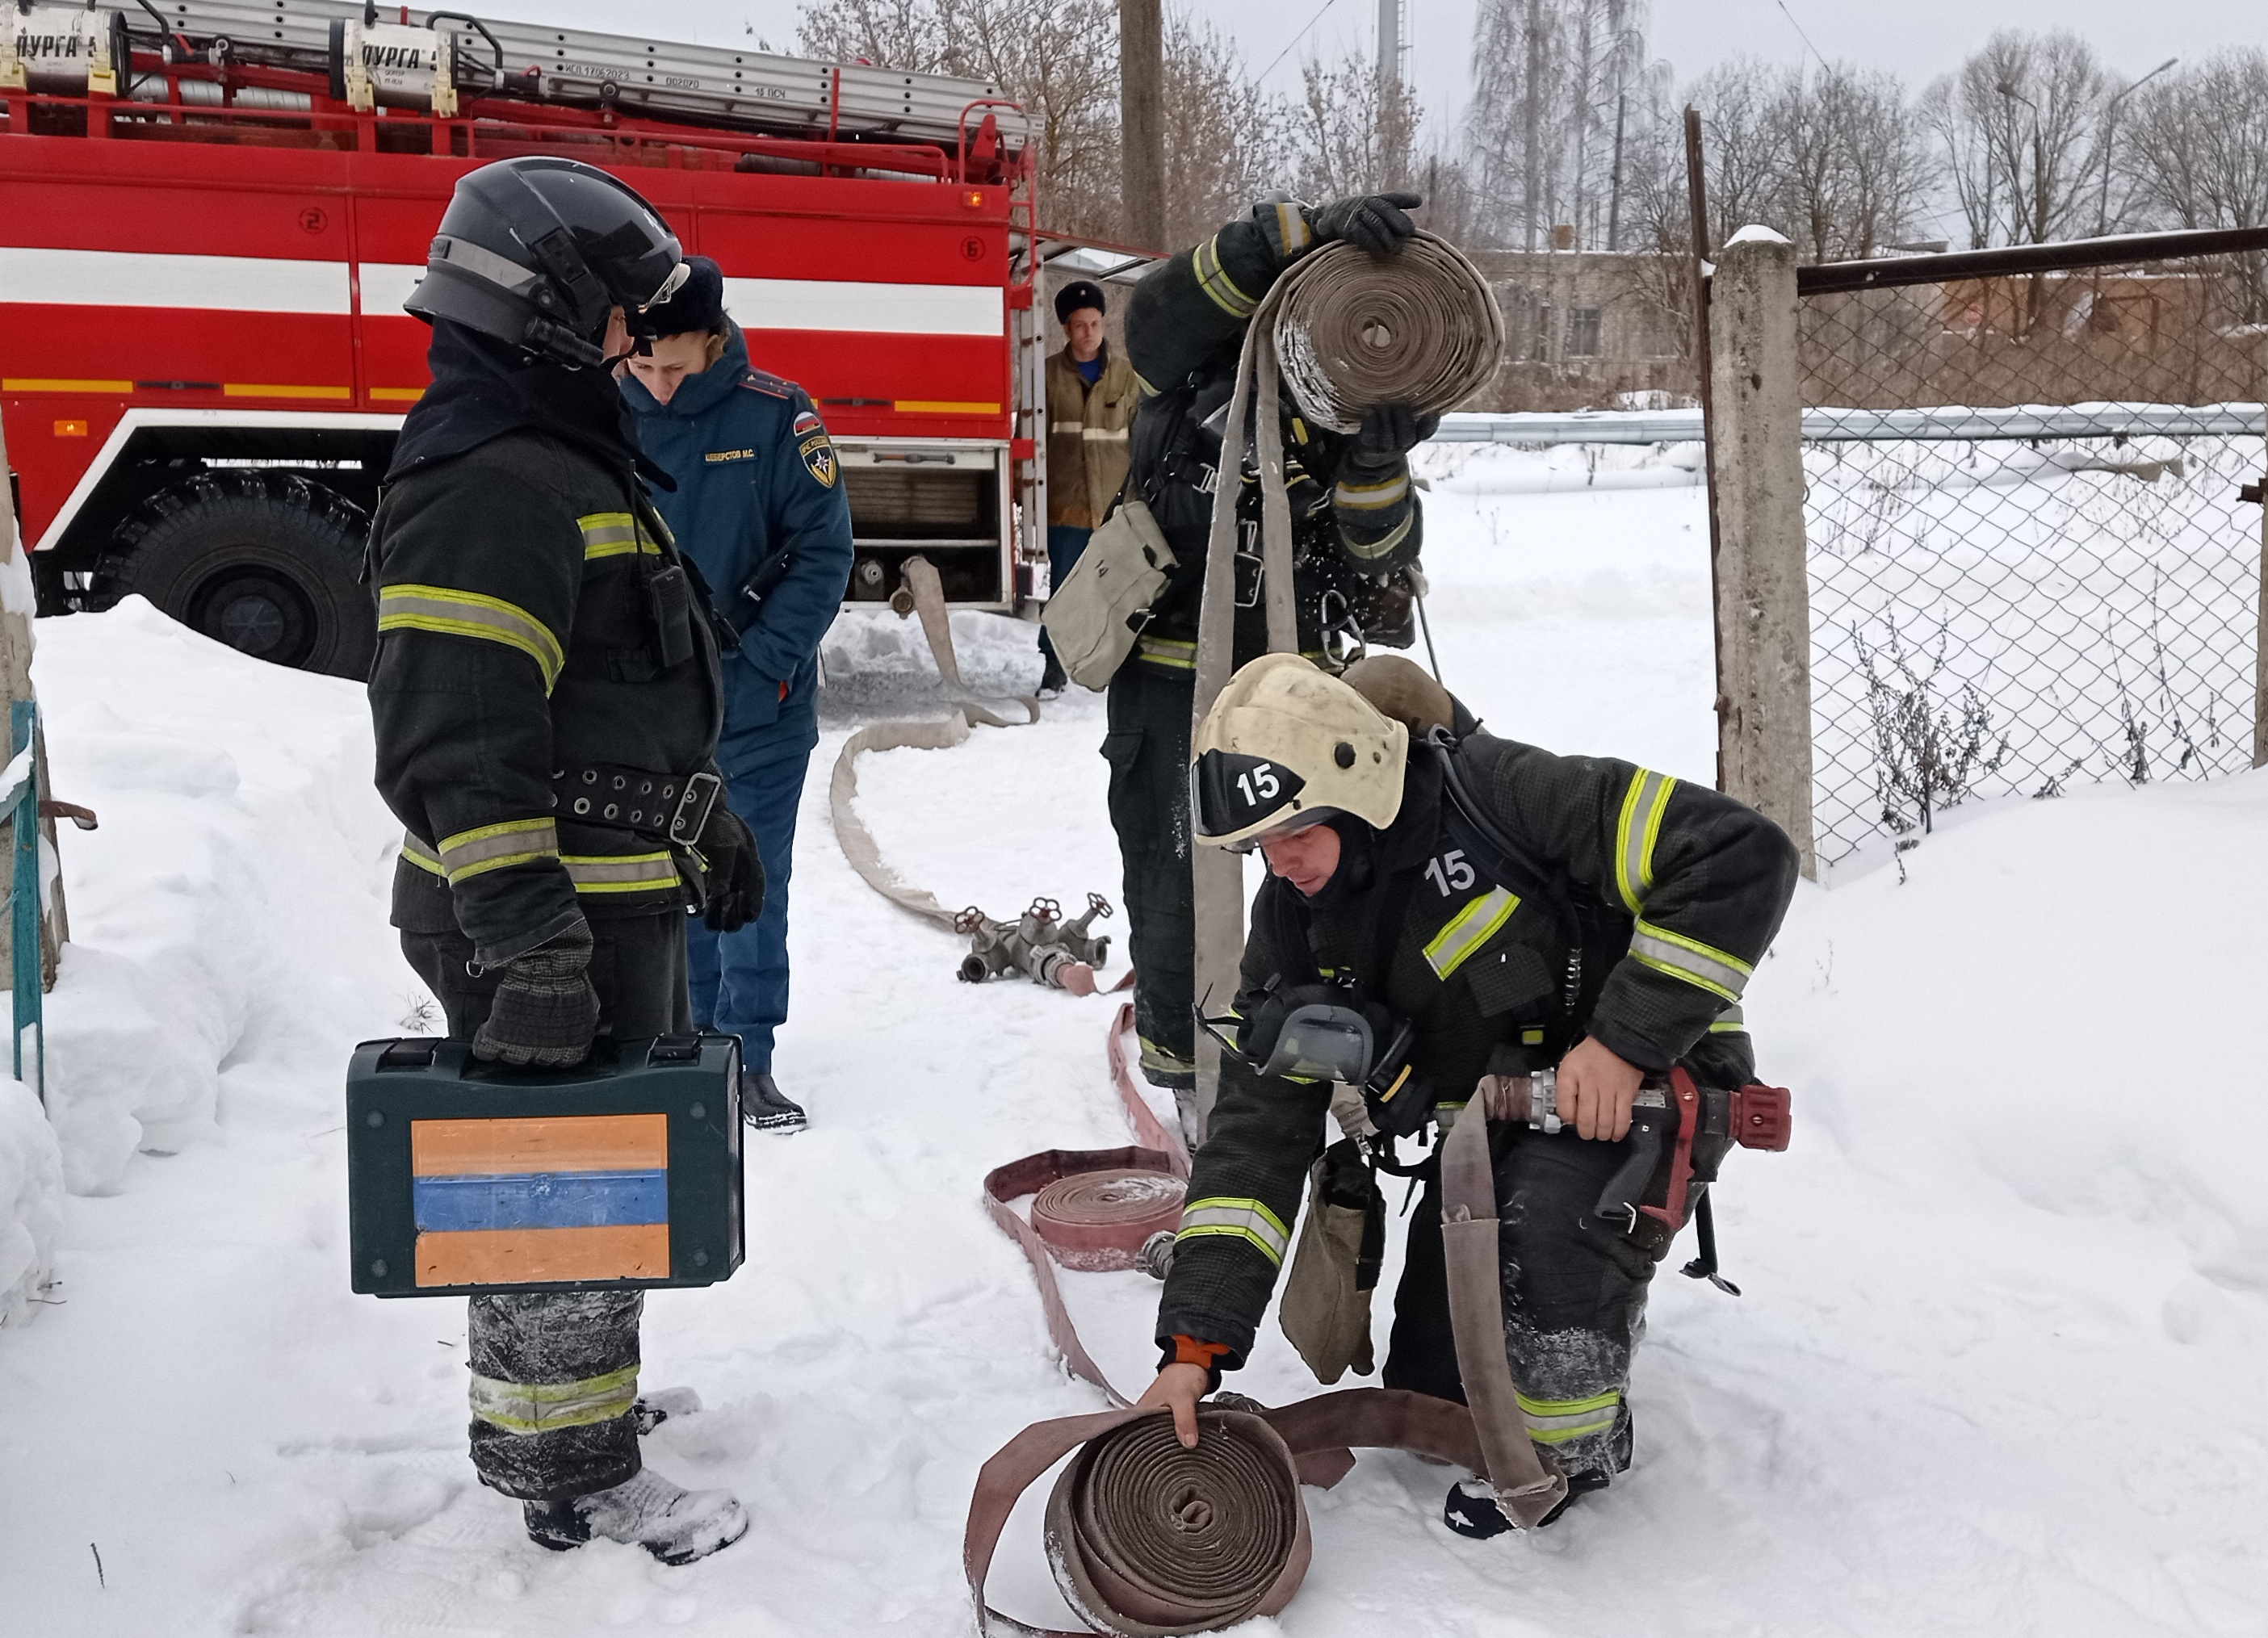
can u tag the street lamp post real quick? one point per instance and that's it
(2110, 136)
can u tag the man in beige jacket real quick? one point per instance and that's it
(1092, 392)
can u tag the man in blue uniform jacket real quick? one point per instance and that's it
(759, 509)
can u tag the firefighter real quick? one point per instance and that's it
(1091, 396)
(759, 508)
(1356, 533)
(1453, 908)
(546, 700)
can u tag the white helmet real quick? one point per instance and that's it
(1286, 745)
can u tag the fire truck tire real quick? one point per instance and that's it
(264, 561)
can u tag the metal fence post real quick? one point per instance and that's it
(26, 1009)
(1755, 464)
(2260, 640)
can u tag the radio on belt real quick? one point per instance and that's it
(466, 1176)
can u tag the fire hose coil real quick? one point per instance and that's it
(1148, 1538)
(1419, 328)
(1092, 1208)
(1099, 1220)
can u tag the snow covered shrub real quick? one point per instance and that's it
(1930, 741)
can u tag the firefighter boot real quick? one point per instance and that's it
(764, 1107)
(1471, 1508)
(675, 1524)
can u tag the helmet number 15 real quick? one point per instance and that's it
(1259, 785)
(1449, 872)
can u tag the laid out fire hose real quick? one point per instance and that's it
(1092, 1208)
(1148, 1539)
(935, 733)
(1346, 331)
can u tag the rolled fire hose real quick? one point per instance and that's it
(1346, 331)
(1147, 1540)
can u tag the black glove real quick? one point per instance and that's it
(735, 872)
(1389, 432)
(545, 1011)
(1372, 222)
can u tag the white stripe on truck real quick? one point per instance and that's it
(120, 278)
(117, 278)
(866, 308)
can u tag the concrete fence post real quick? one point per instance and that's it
(1764, 588)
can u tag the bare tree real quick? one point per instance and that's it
(1853, 166)
(2019, 124)
(1553, 80)
(2196, 153)
(1744, 145)
(1224, 141)
(1058, 58)
(1354, 131)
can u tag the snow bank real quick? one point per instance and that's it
(872, 658)
(229, 792)
(31, 1201)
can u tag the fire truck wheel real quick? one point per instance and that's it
(264, 561)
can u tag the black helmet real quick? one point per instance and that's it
(535, 251)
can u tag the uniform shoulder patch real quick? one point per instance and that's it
(807, 422)
(819, 459)
(770, 385)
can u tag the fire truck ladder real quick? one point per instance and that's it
(370, 51)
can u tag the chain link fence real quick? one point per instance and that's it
(2030, 567)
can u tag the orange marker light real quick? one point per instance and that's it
(70, 429)
(974, 199)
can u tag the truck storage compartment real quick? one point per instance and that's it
(944, 501)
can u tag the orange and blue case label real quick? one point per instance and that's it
(565, 1198)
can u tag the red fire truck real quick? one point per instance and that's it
(211, 210)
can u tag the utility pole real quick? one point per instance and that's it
(1142, 120)
(1389, 43)
(1532, 143)
(1615, 183)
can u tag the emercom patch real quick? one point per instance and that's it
(818, 457)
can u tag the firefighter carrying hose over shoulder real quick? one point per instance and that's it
(1498, 910)
(546, 698)
(1356, 532)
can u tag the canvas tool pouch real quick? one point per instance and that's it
(1325, 1307)
(1105, 601)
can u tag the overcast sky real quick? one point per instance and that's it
(1919, 39)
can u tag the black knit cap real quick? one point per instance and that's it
(1078, 294)
(698, 303)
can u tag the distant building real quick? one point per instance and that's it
(1586, 329)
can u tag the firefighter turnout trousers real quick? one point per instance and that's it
(1574, 1299)
(1148, 749)
(554, 1376)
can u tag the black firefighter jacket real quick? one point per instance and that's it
(529, 625)
(1355, 525)
(1677, 892)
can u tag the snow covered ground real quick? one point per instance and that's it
(1996, 1371)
